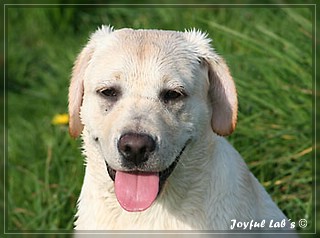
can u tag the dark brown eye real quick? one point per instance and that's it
(110, 93)
(171, 95)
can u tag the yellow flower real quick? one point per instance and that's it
(60, 119)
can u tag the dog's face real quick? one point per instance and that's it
(143, 96)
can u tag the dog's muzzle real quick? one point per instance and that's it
(137, 190)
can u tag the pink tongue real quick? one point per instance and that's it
(136, 191)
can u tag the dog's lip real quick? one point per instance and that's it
(163, 175)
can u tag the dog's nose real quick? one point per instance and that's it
(135, 147)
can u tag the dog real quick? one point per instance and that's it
(153, 107)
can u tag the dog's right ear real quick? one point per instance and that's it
(76, 88)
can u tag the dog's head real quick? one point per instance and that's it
(143, 96)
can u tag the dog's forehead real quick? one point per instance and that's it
(127, 33)
(148, 44)
(148, 53)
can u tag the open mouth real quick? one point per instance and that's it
(137, 190)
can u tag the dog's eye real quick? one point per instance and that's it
(111, 93)
(171, 95)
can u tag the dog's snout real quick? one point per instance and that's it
(135, 147)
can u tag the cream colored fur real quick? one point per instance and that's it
(211, 185)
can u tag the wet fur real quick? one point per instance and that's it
(211, 184)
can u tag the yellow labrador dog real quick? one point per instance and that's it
(152, 107)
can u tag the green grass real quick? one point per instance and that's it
(269, 51)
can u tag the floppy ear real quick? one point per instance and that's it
(222, 90)
(76, 91)
(76, 88)
(223, 97)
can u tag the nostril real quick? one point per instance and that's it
(136, 147)
(127, 149)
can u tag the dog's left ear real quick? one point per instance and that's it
(222, 90)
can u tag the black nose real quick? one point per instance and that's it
(135, 147)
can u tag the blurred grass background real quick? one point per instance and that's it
(269, 51)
